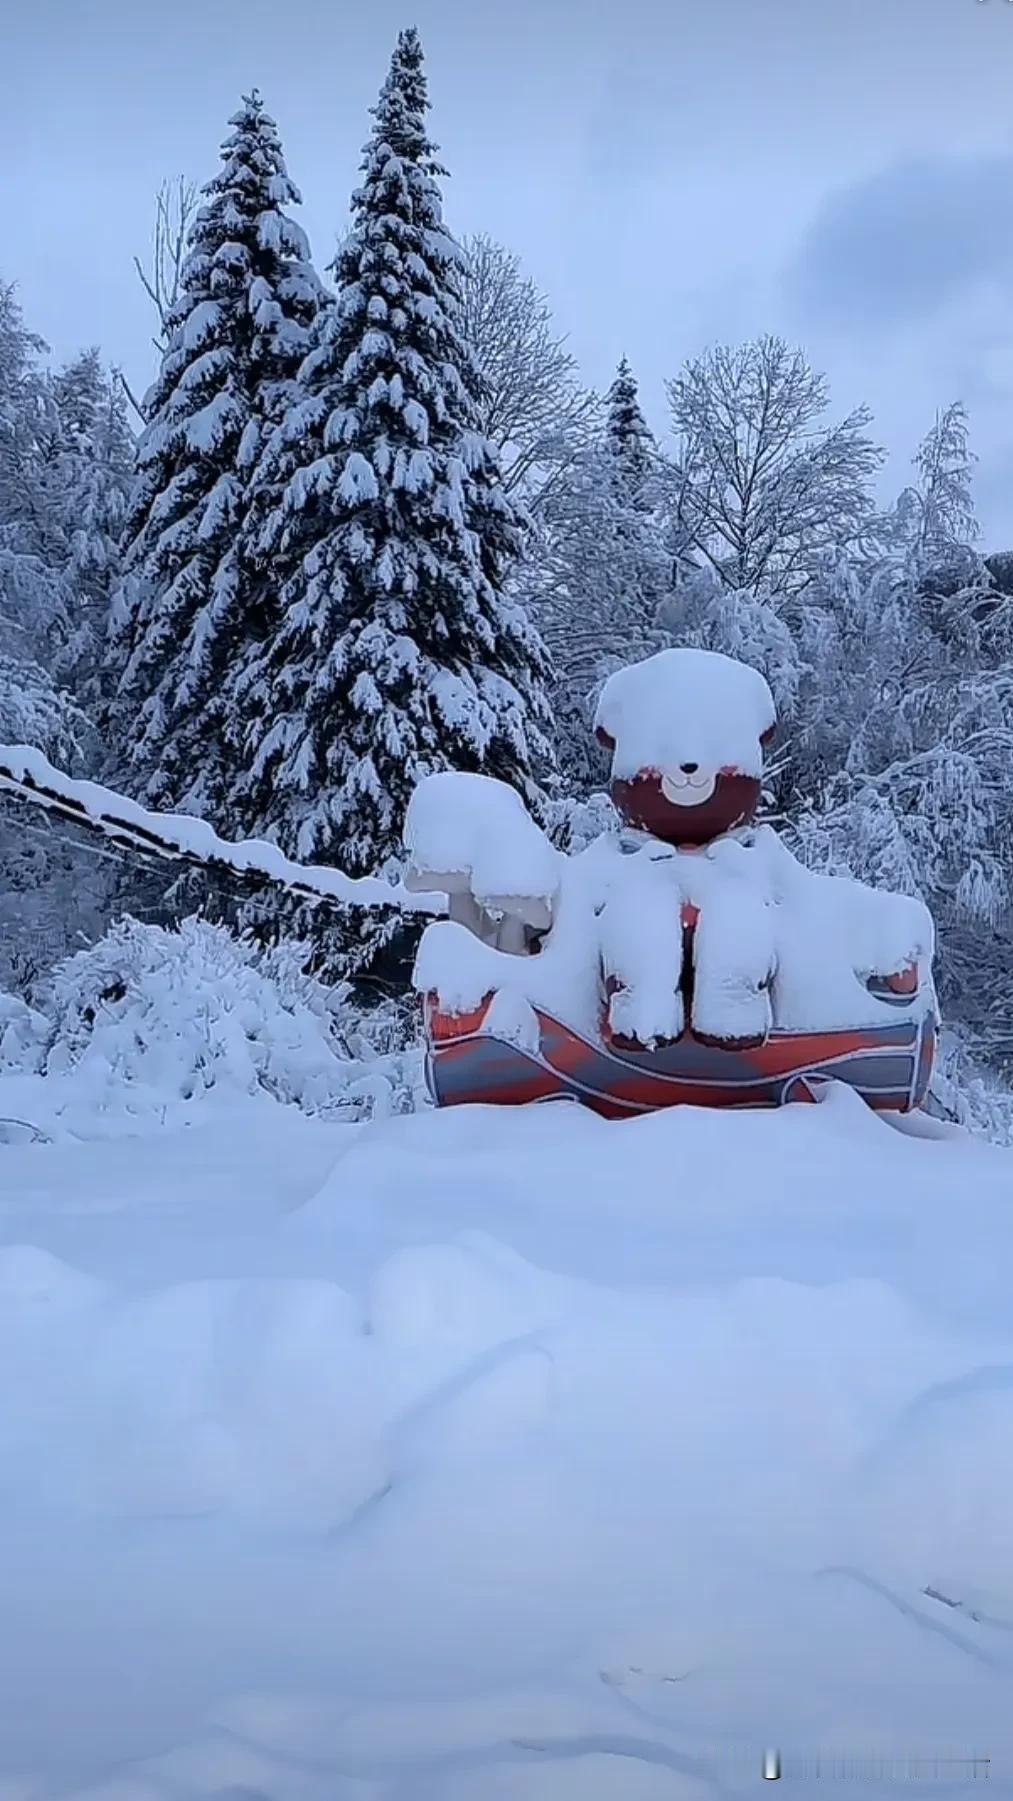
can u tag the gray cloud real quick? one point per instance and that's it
(905, 243)
(671, 171)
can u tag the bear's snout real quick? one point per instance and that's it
(689, 786)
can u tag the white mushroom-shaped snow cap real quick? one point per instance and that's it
(471, 834)
(684, 707)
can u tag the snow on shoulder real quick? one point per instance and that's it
(682, 706)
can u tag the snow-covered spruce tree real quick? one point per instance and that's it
(85, 481)
(599, 572)
(34, 615)
(393, 651)
(186, 616)
(65, 457)
(37, 593)
(44, 894)
(629, 437)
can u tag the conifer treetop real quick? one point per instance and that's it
(394, 651)
(237, 334)
(627, 433)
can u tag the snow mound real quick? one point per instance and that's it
(22, 1034)
(502, 1453)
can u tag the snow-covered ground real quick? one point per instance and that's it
(502, 1456)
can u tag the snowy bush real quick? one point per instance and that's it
(34, 711)
(574, 824)
(22, 1035)
(965, 1091)
(149, 1019)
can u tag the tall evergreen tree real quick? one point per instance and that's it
(23, 415)
(932, 527)
(43, 892)
(86, 482)
(394, 651)
(236, 336)
(628, 435)
(65, 460)
(35, 596)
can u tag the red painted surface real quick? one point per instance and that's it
(642, 803)
(445, 1027)
(470, 1066)
(905, 982)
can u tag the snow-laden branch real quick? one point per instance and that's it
(26, 774)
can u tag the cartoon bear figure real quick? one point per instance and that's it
(687, 731)
(756, 939)
(692, 925)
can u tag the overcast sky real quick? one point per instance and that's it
(671, 171)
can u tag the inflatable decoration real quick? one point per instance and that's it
(688, 957)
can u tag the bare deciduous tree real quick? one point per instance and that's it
(763, 491)
(533, 407)
(175, 206)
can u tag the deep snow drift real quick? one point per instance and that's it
(501, 1456)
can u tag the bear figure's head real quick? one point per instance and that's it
(687, 730)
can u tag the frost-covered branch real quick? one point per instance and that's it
(763, 491)
(532, 406)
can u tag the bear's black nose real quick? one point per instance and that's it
(689, 768)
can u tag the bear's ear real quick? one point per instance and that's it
(605, 739)
(767, 737)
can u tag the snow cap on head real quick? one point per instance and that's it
(685, 706)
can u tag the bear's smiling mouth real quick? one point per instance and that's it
(688, 790)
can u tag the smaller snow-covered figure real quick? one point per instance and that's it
(688, 956)
(471, 838)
